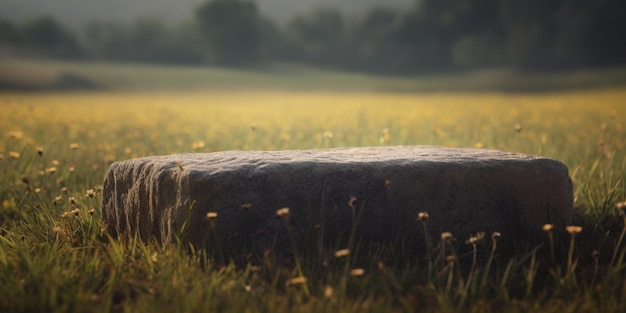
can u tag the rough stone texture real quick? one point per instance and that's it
(465, 191)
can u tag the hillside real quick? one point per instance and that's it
(75, 13)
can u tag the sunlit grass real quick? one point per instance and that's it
(55, 255)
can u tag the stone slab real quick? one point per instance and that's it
(465, 191)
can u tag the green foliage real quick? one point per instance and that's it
(146, 40)
(319, 38)
(433, 36)
(232, 30)
(9, 33)
(42, 36)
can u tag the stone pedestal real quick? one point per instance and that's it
(234, 195)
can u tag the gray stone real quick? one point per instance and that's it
(465, 191)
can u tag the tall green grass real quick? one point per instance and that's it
(55, 255)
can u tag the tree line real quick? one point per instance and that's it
(436, 35)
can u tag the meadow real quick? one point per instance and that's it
(55, 255)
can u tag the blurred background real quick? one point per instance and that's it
(391, 38)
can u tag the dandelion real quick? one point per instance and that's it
(74, 146)
(57, 230)
(211, 215)
(621, 206)
(72, 200)
(342, 253)
(75, 212)
(247, 288)
(91, 212)
(90, 193)
(57, 199)
(327, 137)
(56, 162)
(51, 169)
(475, 239)
(387, 182)
(573, 230)
(518, 128)
(297, 280)
(492, 255)
(71, 169)
(40, 151)
(384, 136)
(63, 189)
(548, 228)
(595, 255)
(282, 212)
(16, 134)
(37, 190)
(328, 291)
(198, 144)
(14, 154)
(357, 272)
(445, 236)
(352, 202)
(422, 216)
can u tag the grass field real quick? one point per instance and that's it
(56, 257)
(29, 74)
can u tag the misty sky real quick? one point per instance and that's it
(75, 13)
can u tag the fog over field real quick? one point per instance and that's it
(75, 13)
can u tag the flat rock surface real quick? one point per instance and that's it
(381, 189)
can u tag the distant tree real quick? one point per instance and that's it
(558, 34)
(47, 37)
(272, 43)
(590, 33)
(233, 31)
(319, 37)
(374, 36)
(530, 31)
(145, 40)
(473, 32)
(9, 33)
(423, 42)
